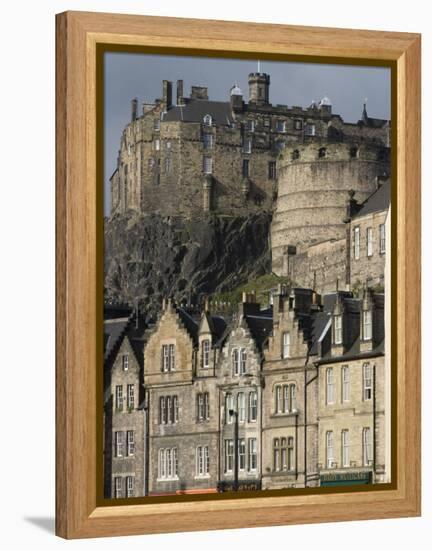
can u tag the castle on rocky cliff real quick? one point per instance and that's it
(306, 166)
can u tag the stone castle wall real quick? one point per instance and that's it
(313, 186)
(160, 166)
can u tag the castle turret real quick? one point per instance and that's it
(259, 86)
(236, 97)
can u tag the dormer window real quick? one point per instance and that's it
(156, 124)
(168, 357)
(251, 125)
(286, 345)
(337, 321)
(125, 362)
(206, 354)
(208, 120)
(367, 324)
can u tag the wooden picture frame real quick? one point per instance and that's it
(78, 294)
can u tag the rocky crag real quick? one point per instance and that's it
(151, 257)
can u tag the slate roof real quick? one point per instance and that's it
(190, 324)
(321, 322)
(377, 202)
(196, 109)
(114, 330)
(376, 122)
(260, 327)
(353, 353)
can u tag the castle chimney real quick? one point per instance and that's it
(167, 94)
(180, 100)
(134, 108)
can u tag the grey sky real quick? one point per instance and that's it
(140, 75)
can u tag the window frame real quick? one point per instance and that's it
(252, 454)
(206, 353)
(207, 164)
(367, 382)
(367, 326)
(118, 397)
(130, 480)
(119, 444)
(330, 386)
(369, 242)
(130, 443)
(337, 330)
(345, 383)
(367, 447)
(241, 407)
(228, 456)
(118, 489)
(356, 242)
(382, 238)
(329, 448)
(345, 448)
(253, 405)
(286, 346)
(130, 396)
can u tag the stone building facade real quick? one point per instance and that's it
(123, 418)
(369, 230)
(240, 385)
(197, 155)
(354, 255)
(351, 394)
(247, 401)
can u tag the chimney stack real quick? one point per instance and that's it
(167, 94)
(134, 108)
(180, 100)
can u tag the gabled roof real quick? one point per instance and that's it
(196, 109)
(379, 201)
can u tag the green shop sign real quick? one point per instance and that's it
(346, 478)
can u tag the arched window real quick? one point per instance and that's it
(295, 155)
(208, 120)
(322, 151)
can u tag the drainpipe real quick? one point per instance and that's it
(374, 420)
(296, 447)
(147, 442)
(306, 384)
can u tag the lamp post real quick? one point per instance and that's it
(234, 413)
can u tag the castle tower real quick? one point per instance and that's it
(313, 185)
(259, 86)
